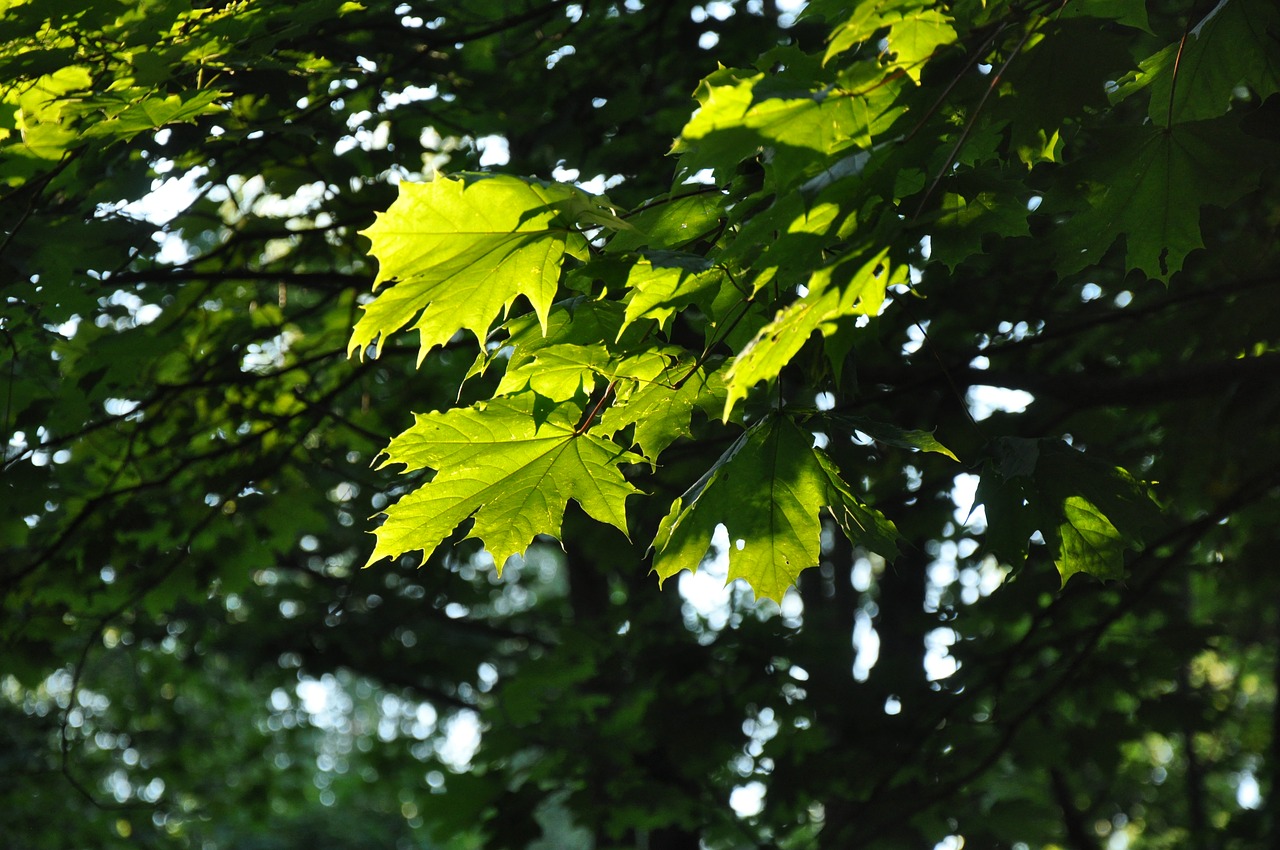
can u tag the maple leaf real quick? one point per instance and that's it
(1088, 542)
(916, 30)
(661, 411)
(785, 242)
(1088, 511)
(962, 224)
(849, 287)
(742, 115)
(556, 372)
(456, 253)
(761, 265)
(1230, 46)
(582, 342)
(767, 490)
(511, 474)
(1151, 187)
(660, 292)
(670, 222)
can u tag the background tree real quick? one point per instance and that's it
(192, 655)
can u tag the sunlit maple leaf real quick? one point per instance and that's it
(454, 254)
(915, 31)
(510, 473)
(767, 491)
(661, 410)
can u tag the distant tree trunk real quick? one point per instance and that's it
(588, 579)
(1197, 820)
(899, 668)
(1073, 819)
(1273, 760)
(668, 838)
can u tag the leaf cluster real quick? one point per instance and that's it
(812, 193)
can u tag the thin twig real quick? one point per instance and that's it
(972, 122)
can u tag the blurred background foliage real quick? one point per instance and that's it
(191, 658)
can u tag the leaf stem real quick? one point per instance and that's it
(1173, 81)
(670, 199)
(591, 416)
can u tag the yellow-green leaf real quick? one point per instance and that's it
(1089, 542)
(454, 254)
(511, 474)
(916, 30)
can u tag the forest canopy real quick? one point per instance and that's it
(639, 425)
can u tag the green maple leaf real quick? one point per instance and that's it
(742, 116)
(731, 126)
(916, 30)
(767, 490)
(661, 410)
(1229, 47)
(454, 254)
(670, 223)
(852, 286)
(137, 110)
(511, 474)
(1150, 187)
(1089, 542)
(556, 372)
(786, 240)
(571, 322)
(583, 342)
(1089, 512)
(1196, 79)
(660, 292)
(559, 372)
(958, 231)
(43, 109)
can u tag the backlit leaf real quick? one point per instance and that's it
(1233, 45)
(767, 491)
(671, 224)
(916, 30)
(660, 410)
(509, 473)
(850, 287)
(1089, 542)
(1150, 188)
(150, 112)
(455, 253)
(658, 293)
(792, 131)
